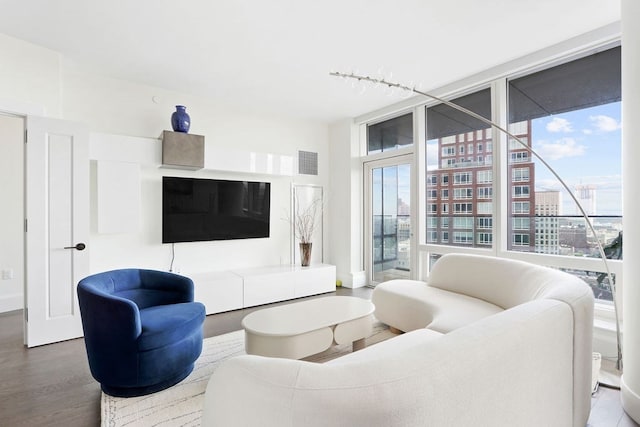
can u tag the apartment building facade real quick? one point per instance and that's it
(460, 191)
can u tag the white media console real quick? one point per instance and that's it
(234, 289)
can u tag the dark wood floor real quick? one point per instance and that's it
(52, 386)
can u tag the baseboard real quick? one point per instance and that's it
(11, 302)
(630, 400)
(354, 280)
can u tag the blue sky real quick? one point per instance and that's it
(584, 147)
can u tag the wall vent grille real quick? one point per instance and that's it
(307, 163)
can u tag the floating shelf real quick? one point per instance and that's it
(151, 152)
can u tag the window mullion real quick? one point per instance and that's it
(500, 167)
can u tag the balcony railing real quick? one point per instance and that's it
(552, 235)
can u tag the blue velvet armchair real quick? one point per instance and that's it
(142, 330)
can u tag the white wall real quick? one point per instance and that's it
(30, 75)
(118, 107)
(346, 208)
(33, 76)
(11, 213)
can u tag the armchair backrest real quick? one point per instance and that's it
(146, 288)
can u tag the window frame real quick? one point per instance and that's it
(481, 220)
(482, 241)
(520, 210)
(516, 195)
(484, 193)
(457, 178)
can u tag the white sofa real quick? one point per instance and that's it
(489, 342)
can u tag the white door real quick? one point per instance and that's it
(57, 228)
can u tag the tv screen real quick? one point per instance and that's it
(212, 209)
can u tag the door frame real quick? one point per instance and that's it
(12, 297)
(368, 166)
(22, 110)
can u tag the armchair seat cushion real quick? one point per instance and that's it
(166, 324)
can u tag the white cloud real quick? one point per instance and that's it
(558, 124)
(559, 149)
(604, 123)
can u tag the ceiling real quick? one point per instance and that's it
(274, 56)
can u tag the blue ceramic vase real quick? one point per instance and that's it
(180, 120)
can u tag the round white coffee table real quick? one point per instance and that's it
(303, 328)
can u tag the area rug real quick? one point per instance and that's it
(181, 405)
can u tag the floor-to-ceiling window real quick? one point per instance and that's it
(459, 173)
(571, 116)
(388, 195)
(483, 191)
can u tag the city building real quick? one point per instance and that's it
(460, 190)
(586, 195)
(547, 211)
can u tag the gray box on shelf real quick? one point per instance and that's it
(182, 150)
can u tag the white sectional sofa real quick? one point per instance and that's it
(488, 342)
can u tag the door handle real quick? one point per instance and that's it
(79, 247)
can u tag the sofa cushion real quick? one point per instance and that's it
(452, 311)
(166, 324)
(411, 304)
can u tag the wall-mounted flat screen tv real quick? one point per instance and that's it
(195, 209)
